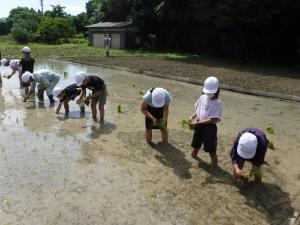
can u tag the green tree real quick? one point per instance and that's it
(56, 11)
(20, 34)
(54, 30)
(25, 18)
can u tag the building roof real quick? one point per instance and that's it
(110, 25)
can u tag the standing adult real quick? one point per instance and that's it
(155, 107)
(45, 80)
(27, 63)
(107, 42)
(250, 145)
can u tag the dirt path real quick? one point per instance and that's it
(270, 79)
(65, 171)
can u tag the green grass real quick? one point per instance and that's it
(11, 49)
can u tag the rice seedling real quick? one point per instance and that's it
(66, 74)
(163, 124)
(141, 93)
(119, 108)
(133, 85)
(17, 120)
(185, 124)
(258, 173)
(270, 129)
(271, 145)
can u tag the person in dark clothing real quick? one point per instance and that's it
(27, 63)
(250, 145)
(66, 95)
(99, 93)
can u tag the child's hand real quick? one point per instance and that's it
(154, 120)
(190, 119)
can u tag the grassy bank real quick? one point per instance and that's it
(10, 49)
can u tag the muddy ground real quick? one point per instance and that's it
(278, 79)
(70, 170)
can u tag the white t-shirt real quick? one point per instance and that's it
(207, 108)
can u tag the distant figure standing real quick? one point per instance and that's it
(27, 63)
(107, 41)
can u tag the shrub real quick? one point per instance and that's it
(20, 35)
(54, 30)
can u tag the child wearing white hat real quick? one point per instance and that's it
(44, 79)
(27, 63)
(65, 96)
(250, 145)
(99, 93)
(155, 107)
(208, 111)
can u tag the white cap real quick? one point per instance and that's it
(26, 76)
(26, 49)
(247, 146)
(158, 97)
(211, 85)
(57, 91)
(79, 77)
(13, 63)
(3, 61)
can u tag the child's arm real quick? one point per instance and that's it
(208, 121)
(82, 94)
(12, 73)
(147, 114)
(94, 95)
(193, 116)
(58, 108)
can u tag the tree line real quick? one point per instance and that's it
(248, 29)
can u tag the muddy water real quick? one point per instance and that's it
(70, 170)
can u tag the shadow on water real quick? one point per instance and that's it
(73, 115)
(266, 198)
(105, 128)
(174, 158)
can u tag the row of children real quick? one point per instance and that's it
(249, 145)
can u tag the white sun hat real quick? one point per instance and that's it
(79, 77)
(247, 146)
(211, 85)
(26, 49)
(57, 91)
(26, 76)
(3, 62)
(158, 97)
(13, 63)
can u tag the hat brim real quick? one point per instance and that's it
(206, 91)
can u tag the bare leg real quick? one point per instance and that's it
(26, 91)
(164, 136)
(214, 158)
(102, 112)
(195, 153)
(94, 110)
(149, 136)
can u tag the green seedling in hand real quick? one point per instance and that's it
(185, 124)
(270, 129)
(119, 108)
(271, 145)
(163, 124)
(65, 74)
(258, 173)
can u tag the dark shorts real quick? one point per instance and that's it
(102, 97)
(26, 84)
(157, 113)
(206, 134)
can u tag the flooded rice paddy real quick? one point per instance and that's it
(58, 170)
